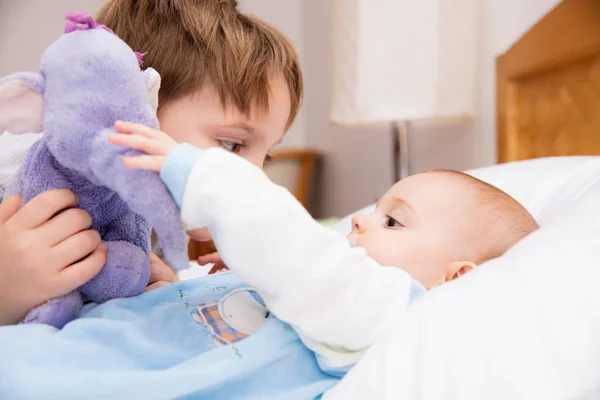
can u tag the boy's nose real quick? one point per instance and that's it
(359, 223)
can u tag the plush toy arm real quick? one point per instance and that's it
(144, 192)
(125, 274)
(127, 269)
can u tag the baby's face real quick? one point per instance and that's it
(416, 226)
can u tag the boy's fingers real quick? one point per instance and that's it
(156, 285)
(83, 271)
(141, 143)
(211, 258)
(43, 207)
(152, 163)
(75, 248)
(200, 234)
(220, 266)
(143, 130)
(9, 207)
(65, 225)
(159, 271)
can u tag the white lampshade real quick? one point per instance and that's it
(403, 60)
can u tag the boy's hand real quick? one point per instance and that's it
(156, 144)
(160, 274)
(213, 258)
(44, 253)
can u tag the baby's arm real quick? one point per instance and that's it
(338, 299)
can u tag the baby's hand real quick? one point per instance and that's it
(156, 144)
(160, 274)
(46, 250)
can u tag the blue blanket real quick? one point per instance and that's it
(210, 338)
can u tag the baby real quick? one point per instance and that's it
(427, 229)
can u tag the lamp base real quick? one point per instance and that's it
(400, 136)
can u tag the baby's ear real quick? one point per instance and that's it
(459, 268)
(152, 82)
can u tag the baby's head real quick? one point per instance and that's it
(440, 224)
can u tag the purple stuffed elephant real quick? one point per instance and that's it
(89, 79)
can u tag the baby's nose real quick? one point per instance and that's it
(359, 223)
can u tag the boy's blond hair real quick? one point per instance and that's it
(195, 42)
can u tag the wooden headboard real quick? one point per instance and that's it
(548, 86)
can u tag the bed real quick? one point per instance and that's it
(548, 86)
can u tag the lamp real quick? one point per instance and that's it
(397, 62)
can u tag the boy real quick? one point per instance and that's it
(227, 80)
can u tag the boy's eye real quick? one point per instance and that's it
(390, 222)
(231, 146)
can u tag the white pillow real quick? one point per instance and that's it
(523, 326)
(531, 182)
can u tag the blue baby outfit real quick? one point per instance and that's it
(189, 340)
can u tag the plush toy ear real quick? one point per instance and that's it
(21, 103)
(152, 82)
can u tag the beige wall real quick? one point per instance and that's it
(27, 27)
(358, 165)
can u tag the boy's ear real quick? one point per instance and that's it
(459, 268)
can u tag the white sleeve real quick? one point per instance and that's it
(13, 149)
(334, 296)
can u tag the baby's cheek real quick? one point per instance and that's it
(403, 257)
(383, 253)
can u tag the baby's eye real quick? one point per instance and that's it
(231, 146)
(390, 222)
